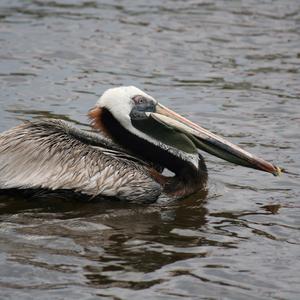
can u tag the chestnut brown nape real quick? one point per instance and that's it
(95, 115)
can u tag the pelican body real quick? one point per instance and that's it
(134, 139)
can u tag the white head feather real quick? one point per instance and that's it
(119, 102)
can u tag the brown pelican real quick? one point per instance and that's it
(135, 138)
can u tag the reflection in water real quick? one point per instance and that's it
(231, 66)
(119, 236)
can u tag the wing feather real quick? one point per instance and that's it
(52, 154)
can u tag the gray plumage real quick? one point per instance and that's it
(53, 155)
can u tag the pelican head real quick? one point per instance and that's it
(132, 117)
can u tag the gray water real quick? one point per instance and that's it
(231, 66)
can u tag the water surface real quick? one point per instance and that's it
(231, 66)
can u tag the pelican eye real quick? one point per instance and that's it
(138, 99)
(142, 105)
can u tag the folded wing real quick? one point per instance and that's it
(51, 154)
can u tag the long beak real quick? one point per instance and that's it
(212, 143)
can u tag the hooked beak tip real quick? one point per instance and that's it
(278, 171)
